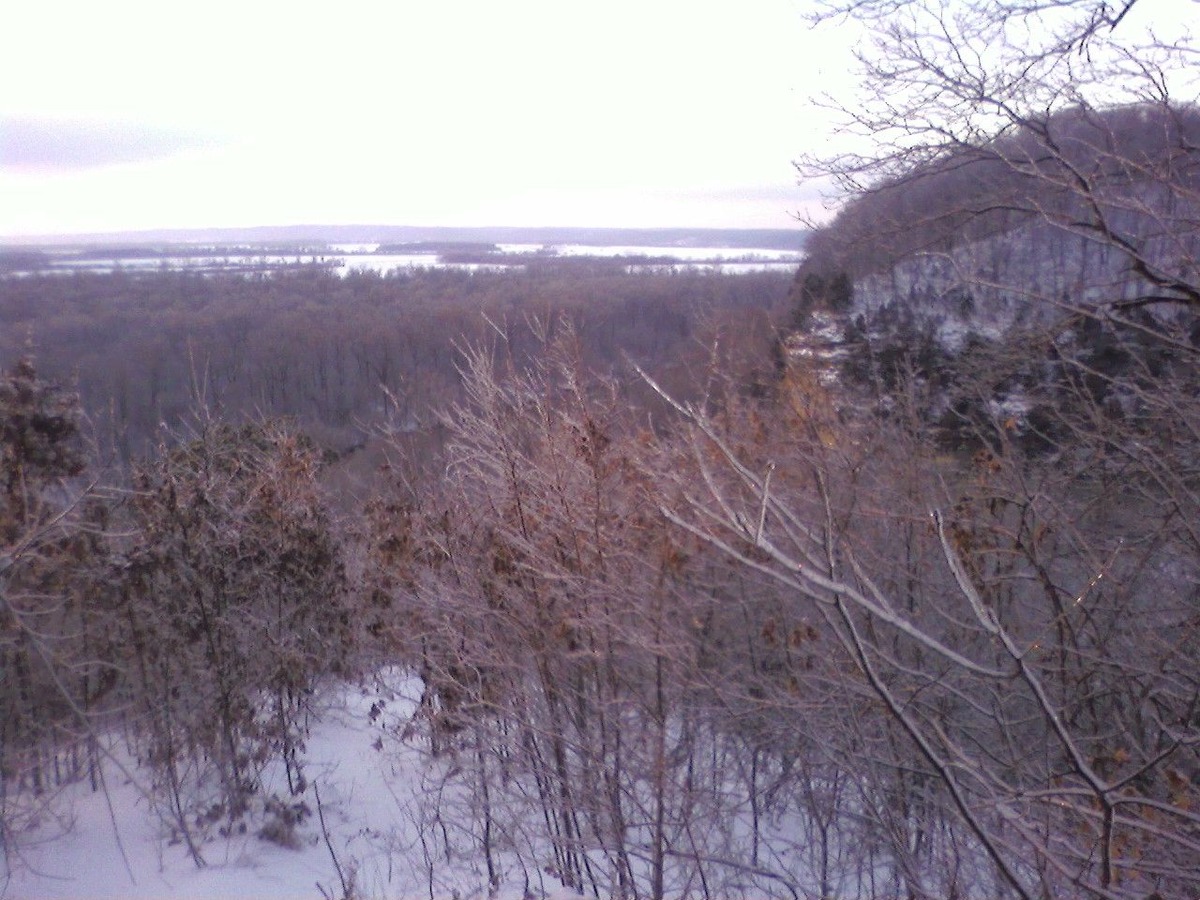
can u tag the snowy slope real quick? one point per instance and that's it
(114, 845)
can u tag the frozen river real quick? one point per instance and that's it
(347, 258)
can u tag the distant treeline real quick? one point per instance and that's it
(749, 238)
(338, 353)
(439, 247)
(17, 259)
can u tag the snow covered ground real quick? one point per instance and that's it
(116, 846)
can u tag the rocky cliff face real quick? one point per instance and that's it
(1006, 311)
(1041, 273)
(1086, 214)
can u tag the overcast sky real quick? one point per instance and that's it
(123, 115)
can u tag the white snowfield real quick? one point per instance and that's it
(112, 844)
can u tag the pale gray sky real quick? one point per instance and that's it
(128, 114)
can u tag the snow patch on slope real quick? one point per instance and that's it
(115, 846)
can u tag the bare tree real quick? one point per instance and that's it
(599, 682)
(1032, 661)
(59, 668)
(1012, 598)
(233, 605)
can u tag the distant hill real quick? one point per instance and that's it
(749, 238)
(1007, 279)
(1091, 212)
